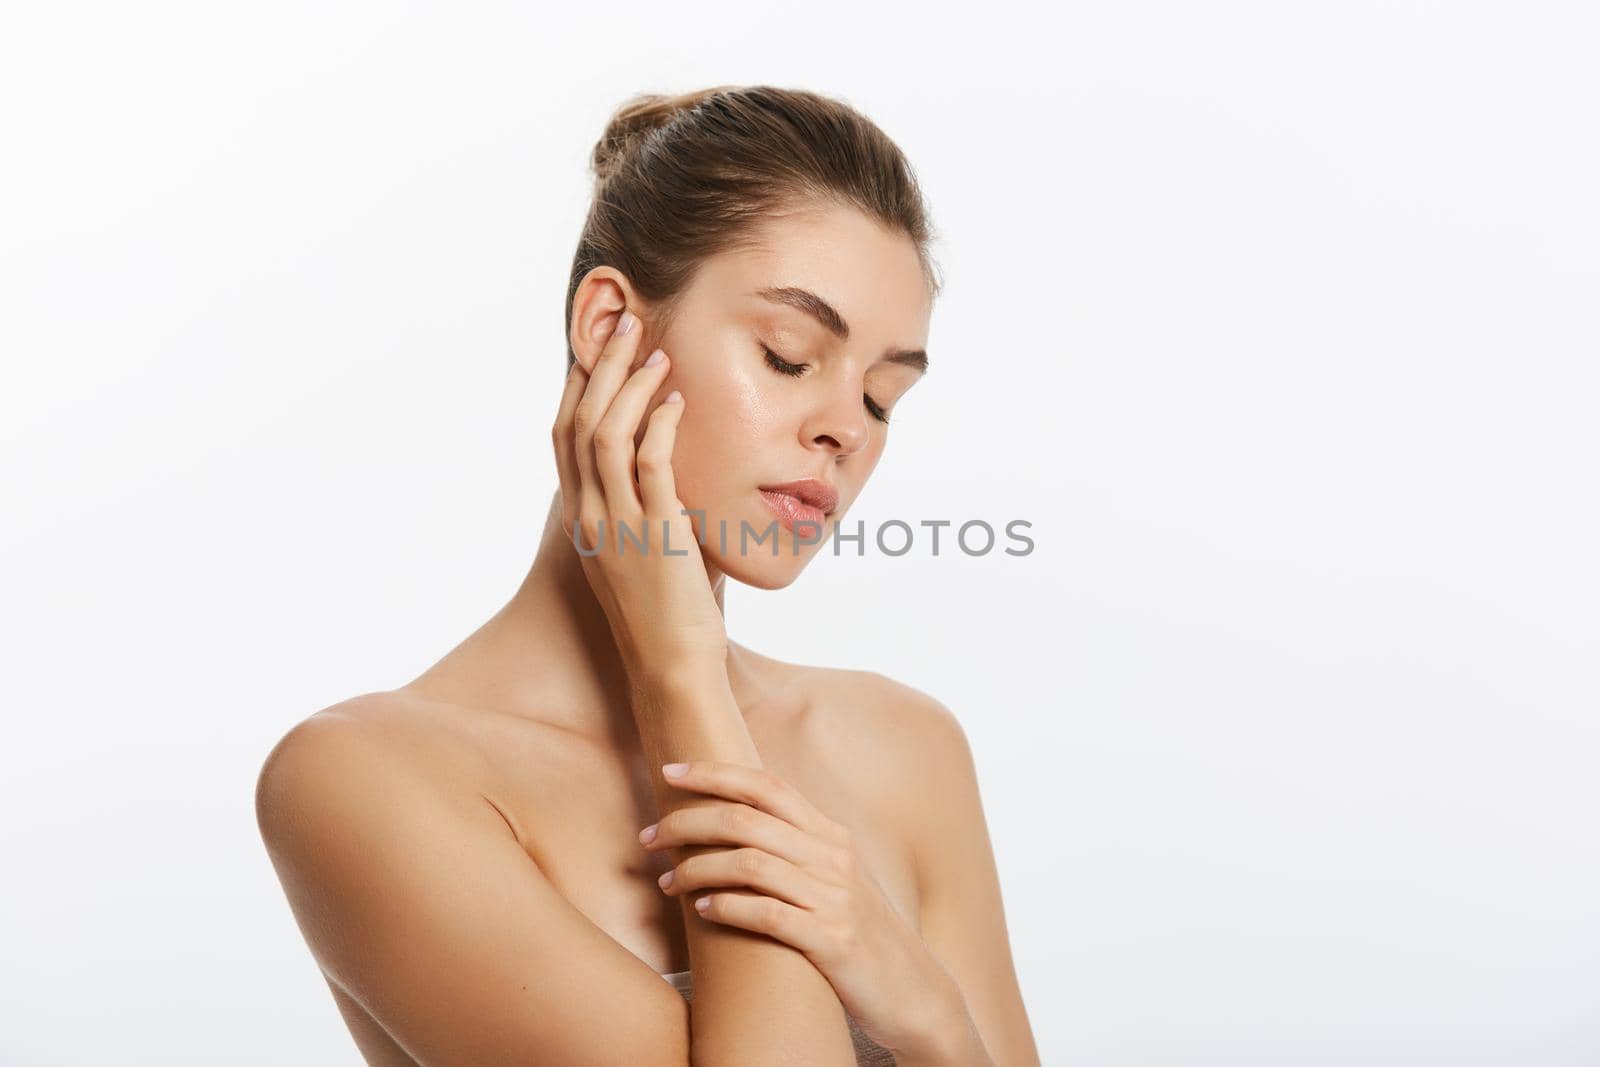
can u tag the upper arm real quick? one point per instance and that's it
(960, 908)
(423, 906)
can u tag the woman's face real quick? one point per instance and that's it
(747, 423)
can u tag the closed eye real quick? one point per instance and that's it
(783, 366)
(794, 370)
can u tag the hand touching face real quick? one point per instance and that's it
(792, 357)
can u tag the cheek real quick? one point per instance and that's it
(728, 425)
(736, 407)
(751, 397)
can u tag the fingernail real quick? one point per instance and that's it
(648, 834)
(655, 357)
(673, 397)
(625, 323)
(702, 904)
(665, 880)
(674, 770)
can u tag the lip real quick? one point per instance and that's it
(810, 492)
(791, 511)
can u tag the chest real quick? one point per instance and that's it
(580, 810)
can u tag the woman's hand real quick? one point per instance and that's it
(658, 598)
(811, 891)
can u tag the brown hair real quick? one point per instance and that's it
(680, 178)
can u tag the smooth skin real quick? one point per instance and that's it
(462, 854)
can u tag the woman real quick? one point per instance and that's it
(474, 857)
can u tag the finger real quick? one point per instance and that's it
(609, 372)
(757, 787)
(658, 488)
(561, 439)
(766, 915)
(727, 823)
(613, 438)
(745, 868)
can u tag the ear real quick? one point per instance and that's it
(597, 305)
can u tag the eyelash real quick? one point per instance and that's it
(794, 370)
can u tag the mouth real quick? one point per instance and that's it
(807, 500)
(810, 492)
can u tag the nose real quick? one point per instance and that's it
(839, 423)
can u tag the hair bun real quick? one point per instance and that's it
(636, 119)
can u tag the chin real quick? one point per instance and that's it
(758, 566)
(763, 571)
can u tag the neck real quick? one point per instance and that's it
(549, 652)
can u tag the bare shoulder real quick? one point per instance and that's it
(339, 734)
(354, 747)
(419, 902)
(884, 742)
(354, 723)
(913, 725)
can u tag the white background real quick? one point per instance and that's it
(1278, 322)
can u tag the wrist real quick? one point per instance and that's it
(681, 677)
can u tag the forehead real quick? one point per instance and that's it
(871, 274)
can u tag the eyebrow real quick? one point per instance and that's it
(825, 313)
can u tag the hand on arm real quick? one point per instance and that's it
(816, 894)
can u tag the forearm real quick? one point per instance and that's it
(950, 1038)
(685, 715)
(959, 1046)
(756, 1000)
